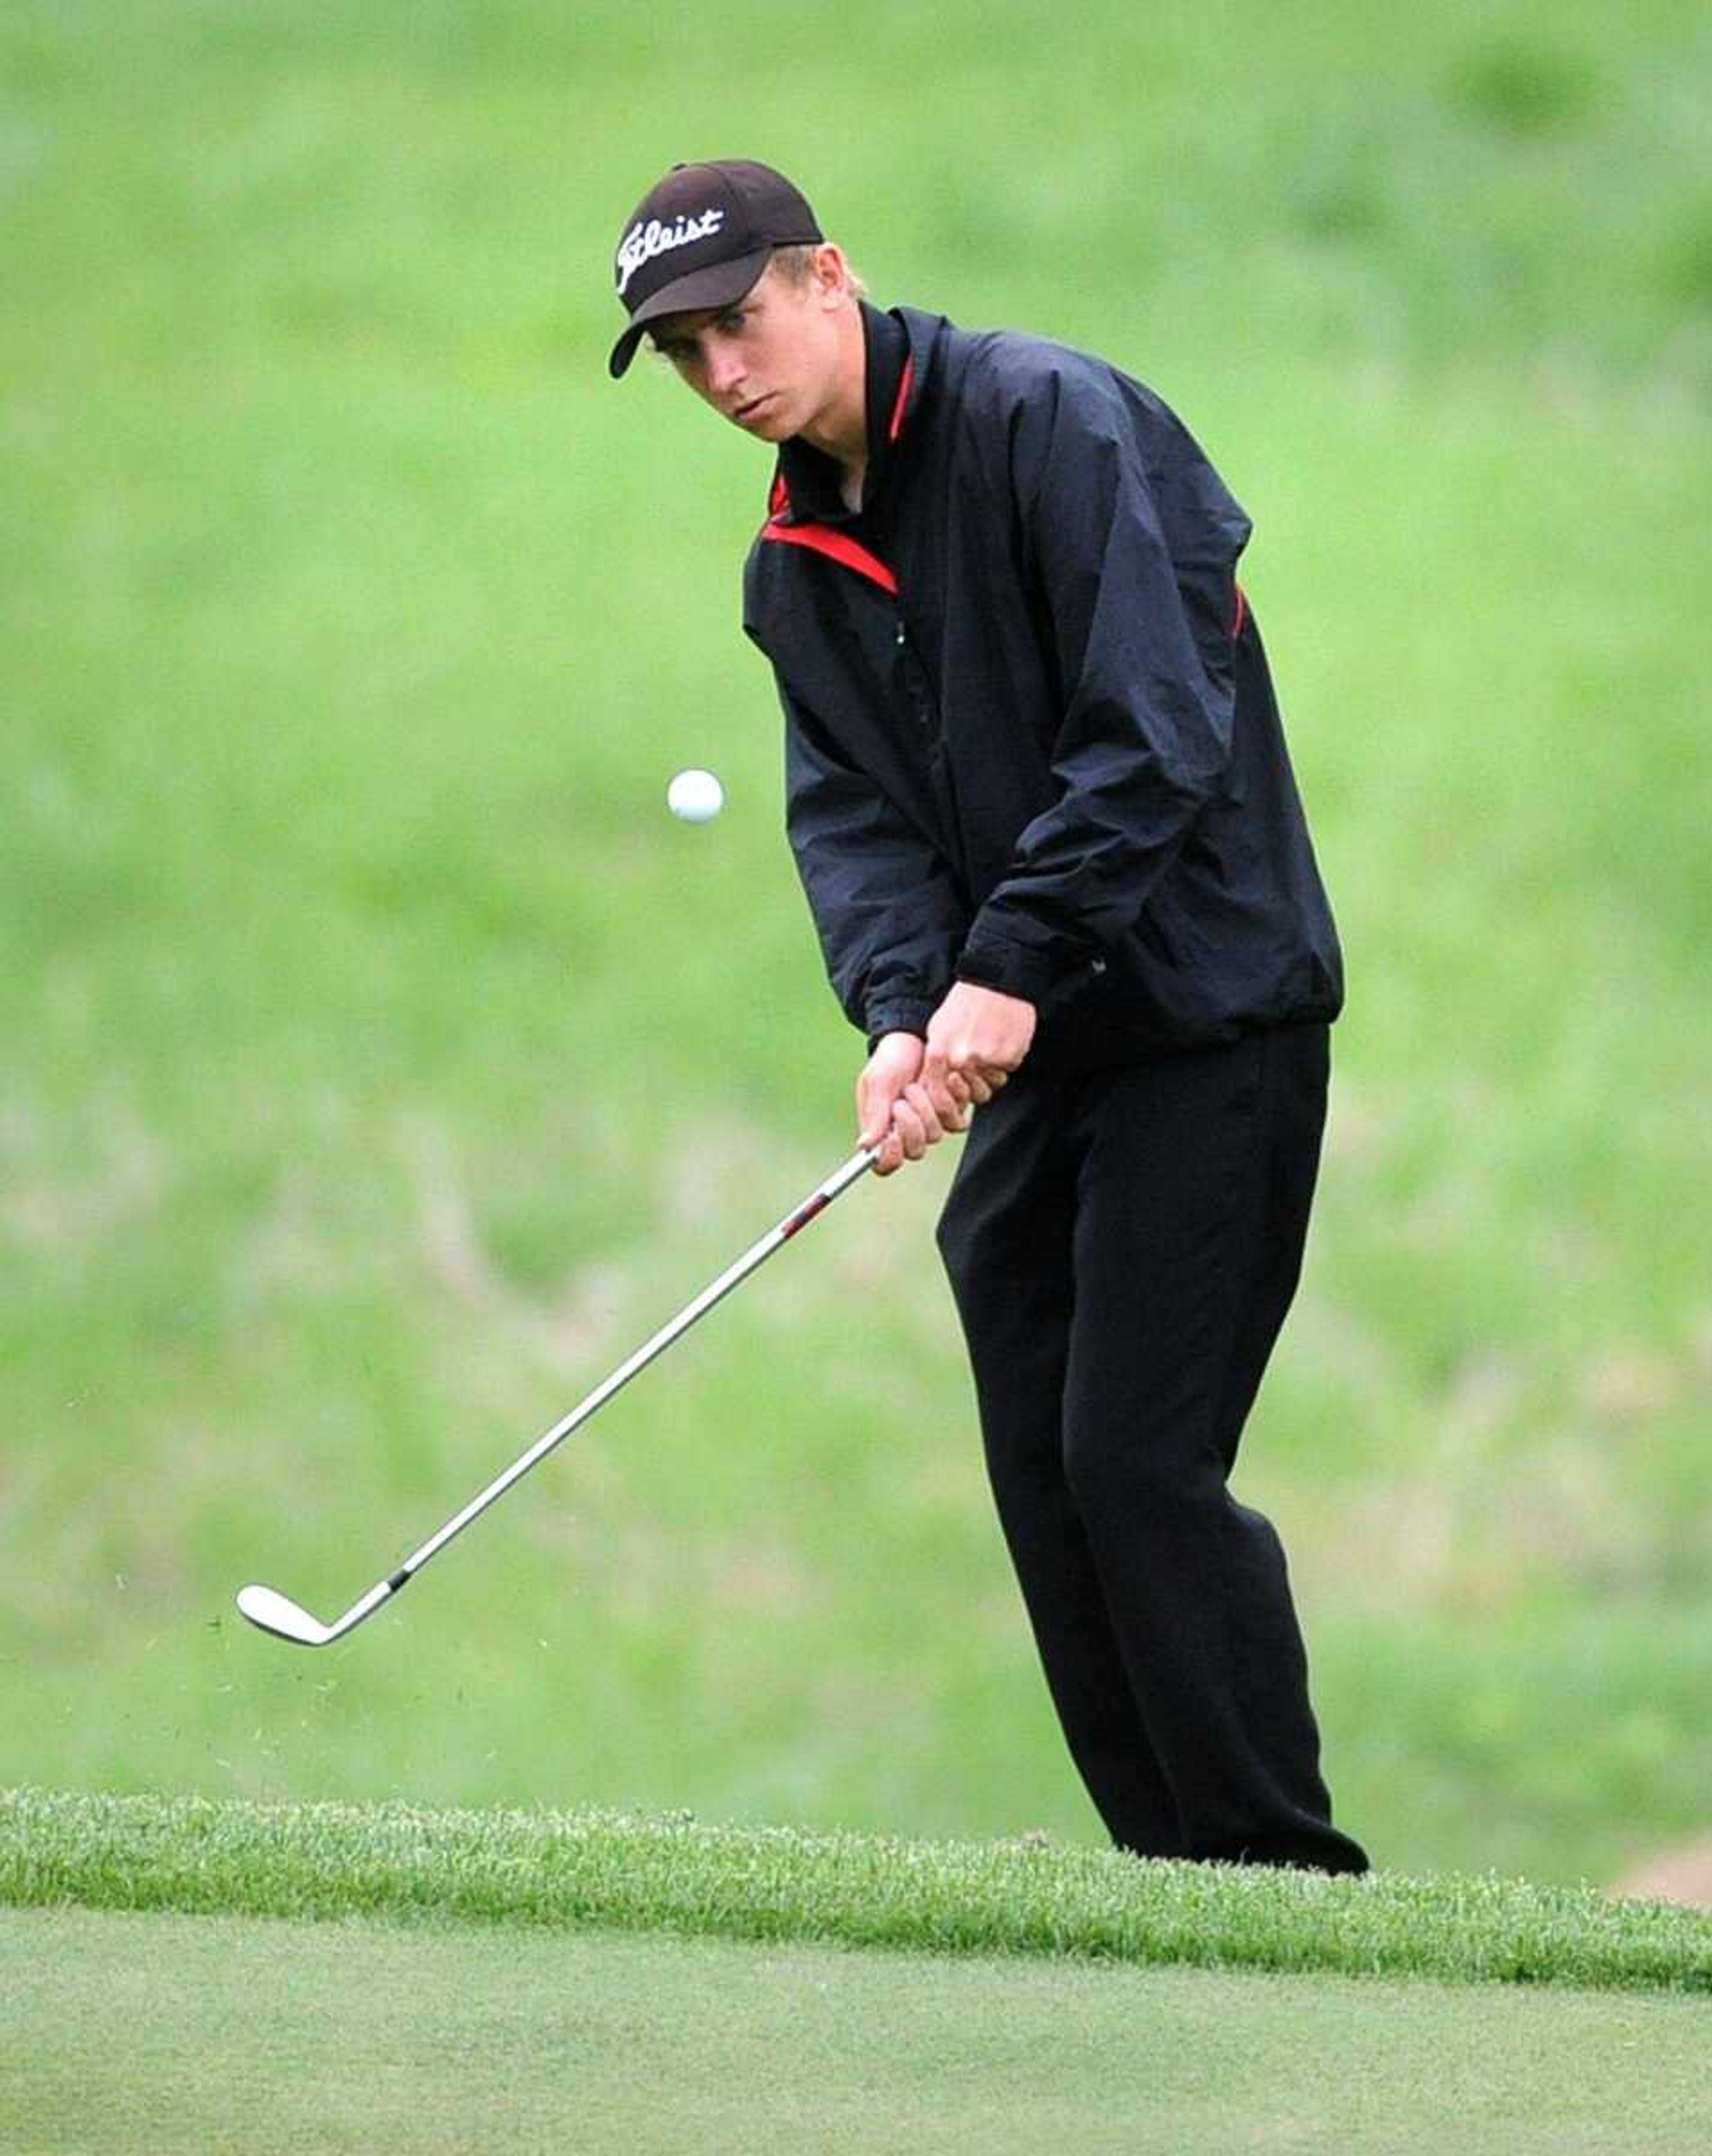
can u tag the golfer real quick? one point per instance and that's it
(1040, 802)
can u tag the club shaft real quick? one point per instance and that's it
(757, 1254)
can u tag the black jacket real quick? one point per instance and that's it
(1031, 736)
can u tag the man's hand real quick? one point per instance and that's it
(911, 1093)
(976, 1038)
(892, 1107)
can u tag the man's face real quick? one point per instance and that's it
(768, 363)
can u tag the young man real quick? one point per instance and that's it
(1040, 802)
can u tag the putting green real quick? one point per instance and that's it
(125, 2032)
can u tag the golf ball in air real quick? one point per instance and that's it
(695, 797)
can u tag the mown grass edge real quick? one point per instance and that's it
(674, 1873)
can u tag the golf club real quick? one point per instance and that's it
(278, 1613)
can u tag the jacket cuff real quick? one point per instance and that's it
(1011, 968)
(898, 1017)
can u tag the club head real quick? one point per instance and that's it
(278, 1613)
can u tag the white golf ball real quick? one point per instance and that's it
(695, 797)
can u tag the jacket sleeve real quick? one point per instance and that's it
(1139, 629)
(885, 908)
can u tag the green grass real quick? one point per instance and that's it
(180, 1974)
(383, 1064)
(675, 1874)
(161, 2034)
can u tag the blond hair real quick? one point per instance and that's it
(795, 266)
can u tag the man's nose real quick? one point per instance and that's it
(724, 370)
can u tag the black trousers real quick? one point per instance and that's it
(1123, 1247)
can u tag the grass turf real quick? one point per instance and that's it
(675, 1874)
(161, 2033)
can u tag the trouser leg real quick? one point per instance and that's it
(1007, 1236)
(1187, 1182)
(1197, 1182)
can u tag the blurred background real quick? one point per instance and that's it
(379, 1062)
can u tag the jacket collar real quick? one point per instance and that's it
(806, 487)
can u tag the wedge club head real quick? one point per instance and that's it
(279, 1614)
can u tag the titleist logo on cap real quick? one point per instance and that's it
(643, 242)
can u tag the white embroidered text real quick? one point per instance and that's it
(643, 242)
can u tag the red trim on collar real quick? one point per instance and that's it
(779, 500)
(838, 546)
(1242, 614)
(896, 428)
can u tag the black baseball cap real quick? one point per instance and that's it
(700, 237)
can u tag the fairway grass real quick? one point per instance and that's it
(160, 2033)
(606, 1870)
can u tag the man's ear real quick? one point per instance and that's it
(831, 273)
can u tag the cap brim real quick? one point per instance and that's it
(716, 286)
